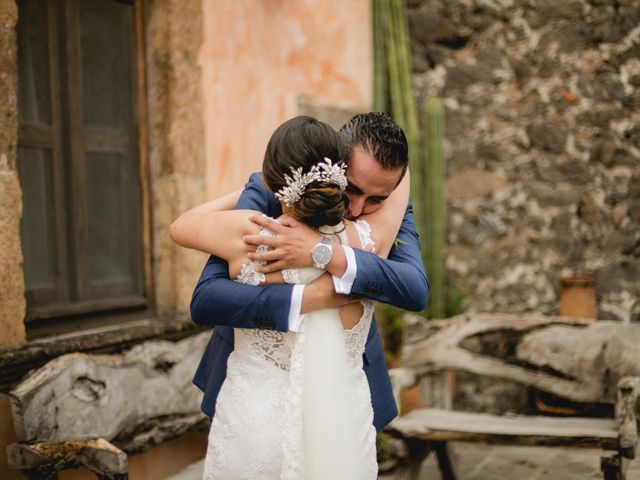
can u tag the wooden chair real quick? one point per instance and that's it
(93, 411)
(535, 352)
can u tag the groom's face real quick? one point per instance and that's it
(369, 184)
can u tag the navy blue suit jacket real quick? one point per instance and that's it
(399, 280)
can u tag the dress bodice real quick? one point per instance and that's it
(275, 346)
(261, 405)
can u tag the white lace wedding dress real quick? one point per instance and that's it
(282, 412)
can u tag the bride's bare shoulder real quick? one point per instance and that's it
(352, 234)
(242, 221)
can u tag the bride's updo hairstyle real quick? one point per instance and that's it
(303, 142)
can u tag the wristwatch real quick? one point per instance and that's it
(322, 252)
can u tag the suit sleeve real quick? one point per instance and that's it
(217, 300)
(399, 280)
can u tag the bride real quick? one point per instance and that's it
(297, 404)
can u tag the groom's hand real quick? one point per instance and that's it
(290, 247)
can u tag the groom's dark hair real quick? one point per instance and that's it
(380, 136)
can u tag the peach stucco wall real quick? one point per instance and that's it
(259, 56)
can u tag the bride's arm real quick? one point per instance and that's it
(293, 250)
(221, 234)
(385, 222)
(198, 228)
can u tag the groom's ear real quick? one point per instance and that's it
(404, 172)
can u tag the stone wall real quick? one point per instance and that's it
(11, 273)
(174, 32)
(542, 145)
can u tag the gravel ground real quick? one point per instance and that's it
(487, 462)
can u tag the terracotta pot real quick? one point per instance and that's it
(577, 296)
(410, 400)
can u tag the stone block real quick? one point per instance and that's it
(8, 121)
(12, 313)
(164, 199)
(177, 129)
(13, 308)
(572, 171)
(551, 9)
(553, 195)
(472, 183)
(600, 116)
(633, 187)
(567, 36)
(427, 26)
(8, 13)
(589, 211)
(550, 136)
(177, 269)
(8, 47)
(461, 76)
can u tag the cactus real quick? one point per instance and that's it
(380, 72)
(433, 251)
(393, 20)
(393, 92)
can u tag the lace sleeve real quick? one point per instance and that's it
(249, 271)
(301, 275)
(290, 275)
(364, 232)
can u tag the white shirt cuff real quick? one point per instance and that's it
(343, 284)
(295, 318)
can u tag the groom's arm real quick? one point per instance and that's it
(217, 300)
(398, 280)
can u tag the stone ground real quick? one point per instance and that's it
(486, 462)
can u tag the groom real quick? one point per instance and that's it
(378, 161)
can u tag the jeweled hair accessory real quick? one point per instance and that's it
(332, 173)
(323, 171)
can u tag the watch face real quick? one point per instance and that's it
(321, 254)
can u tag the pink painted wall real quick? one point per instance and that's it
(259, 56)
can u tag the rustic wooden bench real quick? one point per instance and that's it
(457, 345)
(93, 411)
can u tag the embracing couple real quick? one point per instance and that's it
(294, 376)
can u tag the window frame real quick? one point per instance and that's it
(64, 15)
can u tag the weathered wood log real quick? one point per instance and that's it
(575, 359)
(626, 415)
(142, 437)
(67, 412)
(430, 424)
(78, 396)
(613, 466)
(15, 364)
(43, 459)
